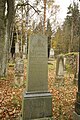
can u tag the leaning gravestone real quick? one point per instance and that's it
(37, 101)
(60, 67)
(19, 72)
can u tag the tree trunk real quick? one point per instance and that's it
(44, 15)
(2, 38)
(5, 33)
(10, 18)
(5, 55)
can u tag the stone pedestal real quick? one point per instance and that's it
(76, 114)
(37, 101)
(46, 118)
(37, 105)
(77, 103)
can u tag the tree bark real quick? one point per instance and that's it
(10, 18)
(2, 37)
(5, 25)
(44, 15)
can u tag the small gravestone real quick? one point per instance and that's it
(51, 53)
(60, 67)
(19, 72)
(37, 101)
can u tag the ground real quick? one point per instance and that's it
(63, 95)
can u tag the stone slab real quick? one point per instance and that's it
(76, 116)
(37, 106)
(37, 79)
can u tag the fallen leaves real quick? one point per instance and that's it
(63, 96)
(10, 98)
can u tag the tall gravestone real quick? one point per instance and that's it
(19, 66)
(37, 101)
(19, 72)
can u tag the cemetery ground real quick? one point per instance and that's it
(63, 95)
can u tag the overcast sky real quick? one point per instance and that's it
(63, 8)
(61, 15)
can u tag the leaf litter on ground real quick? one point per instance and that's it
(63, 96)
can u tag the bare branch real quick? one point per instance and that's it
(24, 4)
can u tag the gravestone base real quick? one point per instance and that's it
(60, 77)
(46, 118)
(59, 80)
(19, 80)
(37, 105)
(76, 116)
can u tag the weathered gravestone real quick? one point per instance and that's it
(60, 67)
(51, 53)
(19, 72)
(37, 101)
